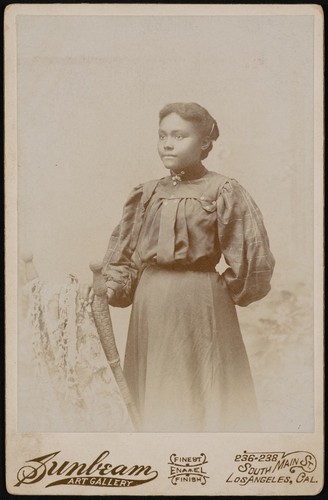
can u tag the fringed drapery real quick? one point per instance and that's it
(65, 381)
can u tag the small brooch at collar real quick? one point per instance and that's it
(177, 177)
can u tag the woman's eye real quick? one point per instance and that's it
(161, 137)
(179, 137)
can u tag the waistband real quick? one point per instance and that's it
(203, 267)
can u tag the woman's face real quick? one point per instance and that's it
(179, 143)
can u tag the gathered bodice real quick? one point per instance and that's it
(186, 223)
(180, 224)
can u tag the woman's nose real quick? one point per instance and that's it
(168, 144)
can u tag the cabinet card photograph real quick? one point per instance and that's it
(164, 249)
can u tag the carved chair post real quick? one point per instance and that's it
(104, 326)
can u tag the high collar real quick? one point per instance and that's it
(189, 174)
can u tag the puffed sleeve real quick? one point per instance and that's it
(245, 245)
(119, 269)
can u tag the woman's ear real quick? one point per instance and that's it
(205, 142)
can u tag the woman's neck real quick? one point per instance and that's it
(189, 173)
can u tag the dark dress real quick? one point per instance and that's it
(186, 363)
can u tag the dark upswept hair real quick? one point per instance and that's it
(195, 113)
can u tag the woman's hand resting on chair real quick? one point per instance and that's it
(87, 294)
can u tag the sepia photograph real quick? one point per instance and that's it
(164, 249)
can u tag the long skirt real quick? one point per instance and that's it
(186, 363)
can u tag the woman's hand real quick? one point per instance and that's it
(87, 294)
